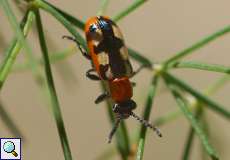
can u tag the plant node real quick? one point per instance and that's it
(158, 68)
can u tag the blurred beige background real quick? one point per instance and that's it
(157, 29)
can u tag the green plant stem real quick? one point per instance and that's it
(198, 45)
(22, 8)
(20, 37)
(201, 66)
(169, 117)
(7, 119)
(80, 24)
(53, 95)
(205, 126)
(54, 57)
(60, 18)
(209, 91)
(139, 58)
(12, 19)
(103, 7)
(217, 85)
(202, 98)
(122, 138)
(194, 123)
(17, 29)
(147, 111)
(3, 42)
(190, 138)
(188, 145)
(132, 7)
(14, 48)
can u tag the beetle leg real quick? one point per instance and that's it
(92, 76)
(102, 97)
(138, 70)
(117, 122)
(84, 53)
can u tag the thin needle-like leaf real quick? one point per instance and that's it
(198, 45)
(20, 37)
(54, 58)
(168, 117)
(103, 7)
(15, 45)
(7, 119)
(188, 144)
(17, 29)
(217, 85)
(201, 66)
(132, 7)
(147, 111)
(139, 58)
(52, 91)
(201, 97)
(190, 137)
(3, 42)
(195, 124)
(209, 91)
(60, 18)
(80, 24)
(12, 19)
(122, 138)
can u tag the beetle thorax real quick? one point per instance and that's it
(120, 89)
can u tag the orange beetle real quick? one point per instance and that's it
(109, 57)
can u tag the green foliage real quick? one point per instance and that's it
(175, 85)
(147, 111)
(52, 91)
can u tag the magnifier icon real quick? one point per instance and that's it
(9, 147)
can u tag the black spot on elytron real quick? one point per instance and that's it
(103, 69)
(101, 47)
(108, 44)
(111, 45)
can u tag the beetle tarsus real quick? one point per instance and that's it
(92, 76)
(102, 97)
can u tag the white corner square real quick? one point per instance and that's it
(10, 148)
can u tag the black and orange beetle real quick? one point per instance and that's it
(110, 60)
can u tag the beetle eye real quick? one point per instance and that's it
(93, 28)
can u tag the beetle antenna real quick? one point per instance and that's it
(117, 122)
(147, 124)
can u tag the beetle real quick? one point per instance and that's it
(110, 60)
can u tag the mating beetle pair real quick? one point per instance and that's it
(109, 57)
